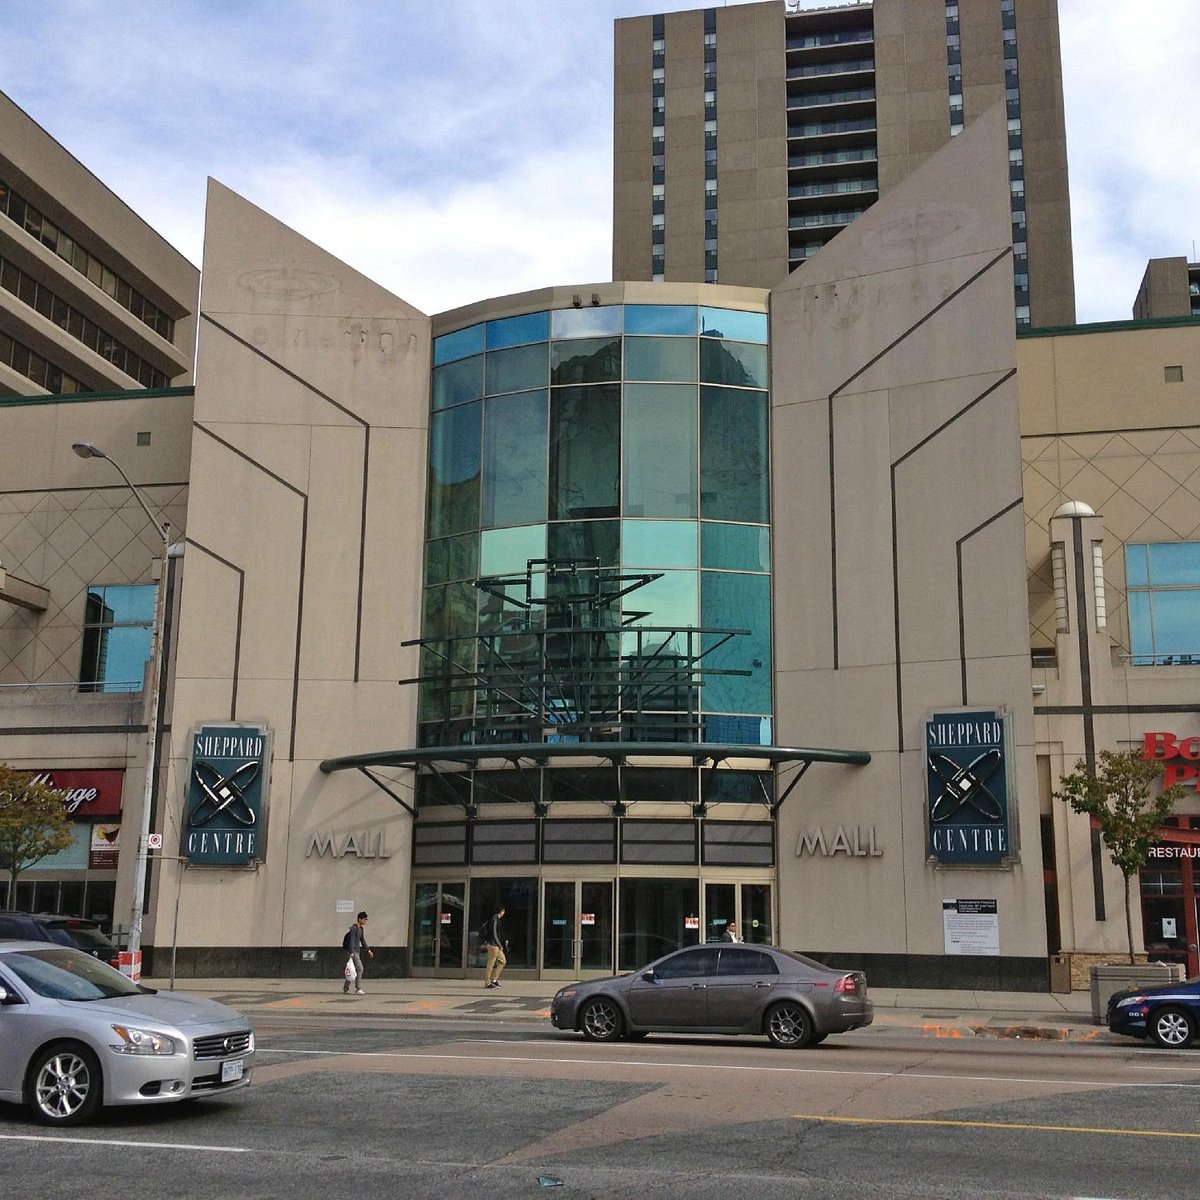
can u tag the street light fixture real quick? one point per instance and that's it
(153, 724)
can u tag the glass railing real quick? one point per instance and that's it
(817, 158)
(819, 99)
(834, 68)
(816, 128)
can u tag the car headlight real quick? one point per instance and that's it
(566, 993)
(141, 1041)
(1130, 1001)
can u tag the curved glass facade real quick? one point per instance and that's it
(609, 465)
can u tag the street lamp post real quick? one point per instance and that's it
(163, 527)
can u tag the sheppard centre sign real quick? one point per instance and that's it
(224, 811)
(967, 779)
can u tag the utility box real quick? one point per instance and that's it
(1119, 977)
(1060, 972)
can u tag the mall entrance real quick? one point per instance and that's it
(560, 928)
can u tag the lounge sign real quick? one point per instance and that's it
(967, 785)
(226, 795)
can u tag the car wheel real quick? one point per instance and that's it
(601, 1020)
(64, 1084)
(789, 1025)
(1172, 1028)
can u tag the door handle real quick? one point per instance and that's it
(760, 984)
(698, 987)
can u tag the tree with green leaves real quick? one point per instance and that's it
(1117, 795)
(34, 824)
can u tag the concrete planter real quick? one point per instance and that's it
(1107, 978)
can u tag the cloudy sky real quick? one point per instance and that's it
(454, 150)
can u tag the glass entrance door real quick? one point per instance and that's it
(438, 925)
(577, 928)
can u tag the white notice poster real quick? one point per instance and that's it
(971, 926)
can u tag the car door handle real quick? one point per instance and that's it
(699, 987)
(760, 984)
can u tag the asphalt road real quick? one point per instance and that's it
(420, 1108)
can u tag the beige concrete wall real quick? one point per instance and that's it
(631, 148)
(1164, 290)
(303, 577)
(1101, 426)
(896, 442)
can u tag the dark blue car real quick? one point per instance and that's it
(1169, 1013)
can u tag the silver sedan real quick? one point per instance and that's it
(794, 1000)
(75, 1034)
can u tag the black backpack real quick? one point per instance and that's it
(348, 940)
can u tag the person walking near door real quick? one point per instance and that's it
(492, 937)
(355, 942)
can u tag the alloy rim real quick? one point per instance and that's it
(600, 1019)
(1172, 1028)
(62, 1086)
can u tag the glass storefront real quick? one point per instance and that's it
(569, 928)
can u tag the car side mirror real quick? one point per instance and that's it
(648, 975)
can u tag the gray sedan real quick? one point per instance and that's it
(794, 1000)
(75, 1034)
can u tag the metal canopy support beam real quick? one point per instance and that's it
(788, 790)
(383, 787)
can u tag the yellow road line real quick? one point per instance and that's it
(1159, 1133)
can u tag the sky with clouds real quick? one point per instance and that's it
(455, 151)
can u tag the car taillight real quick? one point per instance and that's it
(847, 985)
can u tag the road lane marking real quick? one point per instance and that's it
(86, 1141)
(1158, 1133)
(633, 1062)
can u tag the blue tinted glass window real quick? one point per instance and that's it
(508, 551)
(594, 360)
(517, 331)
(518, 369)
(452, 558)
(1174, 563)
(734, 457)
(515, 430)
(660, 453)
(117, 625)
(659, 544)
(730, 323)
(460, 344)
(669, 602)
(677, 319)
(735, 547)
(454, 444)
(458, 382)
(736, 363)
(1137, 564)
(732, 601)
(585, 456)
(586, 322)
(671, 359)
(585, 540)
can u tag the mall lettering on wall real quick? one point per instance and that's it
(361, 843)
(1181, 756)
(226, 795)
(855, 842)
(967, 781)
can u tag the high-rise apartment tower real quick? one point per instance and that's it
(746, 137)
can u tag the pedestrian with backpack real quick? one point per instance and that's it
(355, 943)
(492, 938)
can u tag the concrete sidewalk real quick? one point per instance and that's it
(933, 1013)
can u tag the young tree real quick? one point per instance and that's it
(33, 824)
(1117, 797)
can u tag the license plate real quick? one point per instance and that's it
(231, 1070)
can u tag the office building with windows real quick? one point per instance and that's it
(1170, 288)
(747, 136)
(91, 298)
(638, 607)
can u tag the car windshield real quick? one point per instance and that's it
(61, 974)
(86, 936)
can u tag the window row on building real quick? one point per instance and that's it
(54, 308)
(39, 226)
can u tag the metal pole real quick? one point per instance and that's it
(139, 878)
